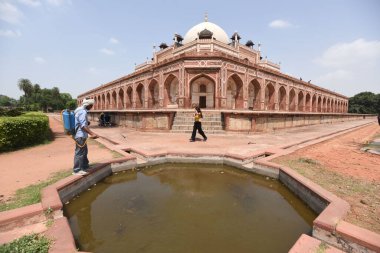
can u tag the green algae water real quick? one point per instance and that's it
(188, 208)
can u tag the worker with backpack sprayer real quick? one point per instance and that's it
(80, 135)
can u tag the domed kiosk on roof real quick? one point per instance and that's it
(217, 32)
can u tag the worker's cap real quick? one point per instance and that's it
(88, 101)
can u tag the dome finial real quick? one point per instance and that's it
(206, 17)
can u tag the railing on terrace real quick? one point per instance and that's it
(270, 64)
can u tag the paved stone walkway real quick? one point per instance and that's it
(236, 144)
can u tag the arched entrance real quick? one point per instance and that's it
(129, 102)
(254, 90)
(235, 93)
(301, 106)
(140, 92)
(308, 103)
(113, 100)
(292, 100)
(108, 99)
(171, 91)
(103, 106)
(269, 97)
(153, 94)
(314, 103)
(282, 98)
(202, 92)
(120, 104)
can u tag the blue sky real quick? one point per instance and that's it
(77, 45)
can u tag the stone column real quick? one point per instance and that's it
(223, 87)
(181, 87)
(287, 98)
(125, 97)
(161, 89)
(134, 92)
(245, 90)
(146, 94)
(217, 91)
(117, 99)
(262, 94)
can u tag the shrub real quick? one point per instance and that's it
(13, 112)
(22, 131)
(27, 243)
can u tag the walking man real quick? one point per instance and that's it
(81, 163)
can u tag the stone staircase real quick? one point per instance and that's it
(211, 122)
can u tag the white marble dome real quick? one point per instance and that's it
(218, 33)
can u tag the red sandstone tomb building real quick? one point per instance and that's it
(209, 68)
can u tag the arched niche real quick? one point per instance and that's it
(202, 90)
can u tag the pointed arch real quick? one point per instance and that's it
(202, 91)
(328, 104)
(308, 105)
(140, 96)
(129, 97)
(282, 98)
(314, 103)
(108, 101)
(113, 100)
(319, 104)
(292, 100)
(153, 94)
(235, 98)
(120, 99)
(103, 101)
(171, 85)
(254, 91)
(301, 101)
(323, 104)
(269, 103)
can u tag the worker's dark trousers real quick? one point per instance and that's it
(80, 157)
(197, 126)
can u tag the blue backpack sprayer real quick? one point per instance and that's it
(68, 119)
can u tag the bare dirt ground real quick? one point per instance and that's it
(31, 165)
(341, 167)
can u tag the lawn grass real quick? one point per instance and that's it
(32, 193)
(28, 243)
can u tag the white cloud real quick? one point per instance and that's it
(58, 2)
(39, 60)
(336, 76)
(355, 53)
(351, 67)
(114, 41)
(107, 51)
(10, 33)
(10, 13)
(280, 24)
(33, 3)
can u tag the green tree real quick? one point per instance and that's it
(7, 101)
(72, 104)
(37, 98)
(364, 102)
(26, 86)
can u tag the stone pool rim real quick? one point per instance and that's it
(328, 226)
